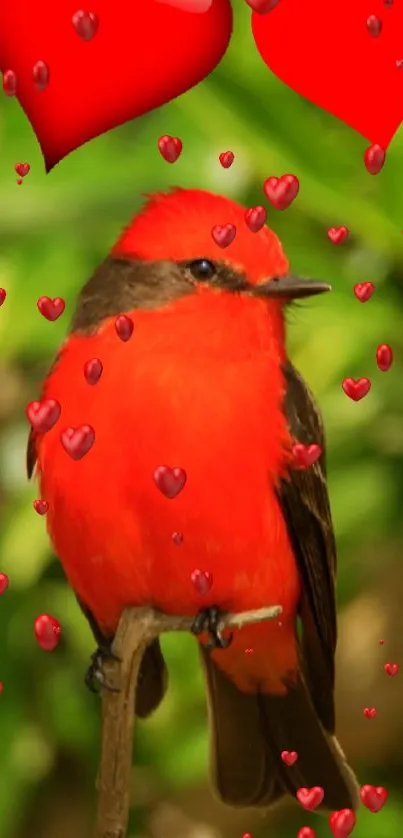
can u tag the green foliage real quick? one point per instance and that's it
(53, 231)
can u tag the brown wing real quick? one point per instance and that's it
(305, 503)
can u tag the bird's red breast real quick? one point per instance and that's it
(199, 386)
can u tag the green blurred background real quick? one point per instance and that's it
(53, 232)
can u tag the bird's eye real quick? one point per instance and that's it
(202, 269)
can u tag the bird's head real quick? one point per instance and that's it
(168, 252)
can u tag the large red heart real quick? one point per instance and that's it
(143, 54)
(325, 52)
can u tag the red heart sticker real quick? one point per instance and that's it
(101, 71)
(43, 415)
(363, 291)
(51, 309)
(373, 797)
(305, 455)
(77, 442)
(342, 823)
(47, 632)
(170, 481)
(310, 798)
(369, 712)
(223, 235)
(336, 58)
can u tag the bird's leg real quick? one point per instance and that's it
(208, 619)
(95, 676)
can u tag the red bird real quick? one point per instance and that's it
(203, 384)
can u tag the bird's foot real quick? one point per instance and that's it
(209, 619)
(95, 676)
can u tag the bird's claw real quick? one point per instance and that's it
(95, 676)
(208, 619)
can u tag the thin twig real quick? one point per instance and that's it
(137, 628)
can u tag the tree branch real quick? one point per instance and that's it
(137, 628)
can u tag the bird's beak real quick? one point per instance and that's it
(289, 288)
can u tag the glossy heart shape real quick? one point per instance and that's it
(338, 235)
(356, 388)
(364, 291)
(43, 414)
(223, 235)
(342, 823)
(256, 218)
(305, 455)
(77, 442)
(170, 481)
(47, 632)
(373, 797)
(332, 56)
(384, 357)
(141, 55)
(51, 309)
(202, 581)
(41, 506)
(310, 798)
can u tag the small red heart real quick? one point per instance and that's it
(342, 823)
(223, 235)
(77, 442)
(86, 24)
(374, 158)
(369, 712)
(124, 327)
(51, 309)
(281, 191)
(93, 370)
(9, 83)
(384, 357)
(143, 55)
(289, 757)
(170, 481)
(364, 291)
(256, 218)
(43, 415)
(177, 538)
(306, 832)
(41, 506)
(373, 798)
(338, 235)
(202, 581)
(3, 583)
(3, 295)
(381, 642)
(356, 388)
(374, 26)
(339, 68)
(170, 148)
(22, 169)
(305, 455)
(19, 182)
(262, 6)
(40, 75)
(226, 159)
(391, 669)
(47, 632)
(310, 798)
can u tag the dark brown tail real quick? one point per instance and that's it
(153, 681)
(249, 732)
